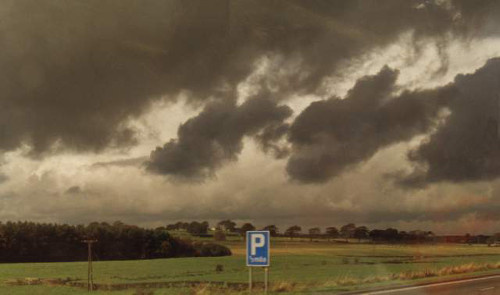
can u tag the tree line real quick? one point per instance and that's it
(47, 242)
(346, 232)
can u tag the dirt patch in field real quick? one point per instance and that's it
(39, 281)
(405, 261)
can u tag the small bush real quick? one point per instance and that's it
(219, 268)
(345, 260)
(219, 235)
(211, 250)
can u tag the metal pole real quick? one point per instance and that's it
(90, 276)
(250, 279)
(88, 266)
(266, 279)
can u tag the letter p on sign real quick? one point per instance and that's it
(258, 240)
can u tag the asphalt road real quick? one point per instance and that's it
(476, 286)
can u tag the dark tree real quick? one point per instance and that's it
(332, 232)
(314, 232)
(391, 235)
(376, 235)
(178, 226)
(246, 227)
(41, 242)
(292, 231)
(273, 230)
(347, 231)
(361, 232)
(226, 225)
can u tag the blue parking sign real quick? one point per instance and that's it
(258, 248)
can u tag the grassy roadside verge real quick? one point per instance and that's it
(297, 267)
(343, 284)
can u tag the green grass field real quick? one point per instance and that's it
(307, 265)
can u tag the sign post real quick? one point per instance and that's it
(266, 279)
(250, 279)
(258, 255)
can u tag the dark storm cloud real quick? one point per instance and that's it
(214, 137)
(72, 73)
(269, 139)
(480, 17)
(320, 34)
(332, 135)
(467, 146)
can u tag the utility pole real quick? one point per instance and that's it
(90, 278)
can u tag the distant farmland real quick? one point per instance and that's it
(298, 265)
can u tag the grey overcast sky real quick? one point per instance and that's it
(317, 113)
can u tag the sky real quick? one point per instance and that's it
(316, 113)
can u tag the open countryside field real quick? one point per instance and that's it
(298, 266)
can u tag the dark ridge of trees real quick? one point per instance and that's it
(47, 242)
(392, 235)
(178, 226)
(348, 232)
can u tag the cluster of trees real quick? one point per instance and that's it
(225, 226)
(195, 228)
(348, 231)
(351, 231)
(392, 235)
(493, 240)
(42, 242)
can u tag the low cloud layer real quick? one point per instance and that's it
(253, 189)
